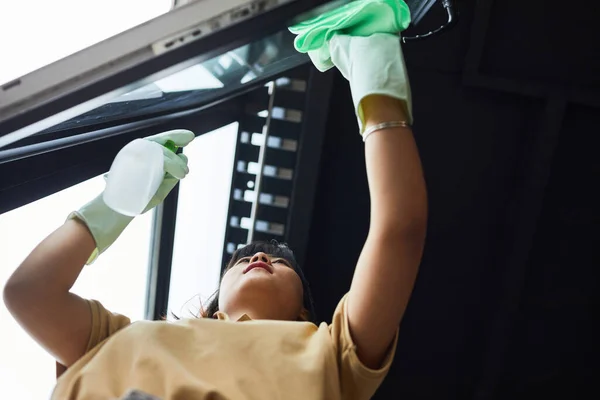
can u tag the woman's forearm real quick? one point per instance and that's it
(58, 260)
(389, 262)
(37, 294)
(396, 183)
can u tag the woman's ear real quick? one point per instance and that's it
(304, 315)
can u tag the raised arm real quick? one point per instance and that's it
(387, 267)
(38, 292)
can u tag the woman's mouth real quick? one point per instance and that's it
(259, 264)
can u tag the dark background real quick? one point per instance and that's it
(506, 120)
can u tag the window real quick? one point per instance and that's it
(198, 84)
(201, 220)
(117, 279)
(38, 32)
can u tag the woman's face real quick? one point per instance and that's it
(263, 287)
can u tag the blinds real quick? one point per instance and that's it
(265, 160)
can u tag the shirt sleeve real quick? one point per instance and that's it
(104, 325)
(357, 381)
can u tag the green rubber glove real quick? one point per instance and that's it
(105, 224)
(357, 18)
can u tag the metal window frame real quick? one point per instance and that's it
(29, 176)
(131, 74)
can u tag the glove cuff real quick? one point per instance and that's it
(376, 66)
(406, 103)
(105, 224)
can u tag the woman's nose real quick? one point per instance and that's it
(260, 256)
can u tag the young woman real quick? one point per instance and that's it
(256, 340)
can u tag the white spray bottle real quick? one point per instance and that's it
(135, 175)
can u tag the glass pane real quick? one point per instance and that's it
(201, 220)
(45, 31)
(196, 85)
(117, 279)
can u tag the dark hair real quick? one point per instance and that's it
(273, 248)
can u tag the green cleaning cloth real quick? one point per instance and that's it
(358, 18)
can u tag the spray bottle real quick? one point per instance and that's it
(135, 175)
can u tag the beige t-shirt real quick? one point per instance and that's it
(219, 359)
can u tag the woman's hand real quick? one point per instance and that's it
(105, 224)
(176, 165)
(374, 66)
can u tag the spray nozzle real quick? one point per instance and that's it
(171, 146)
